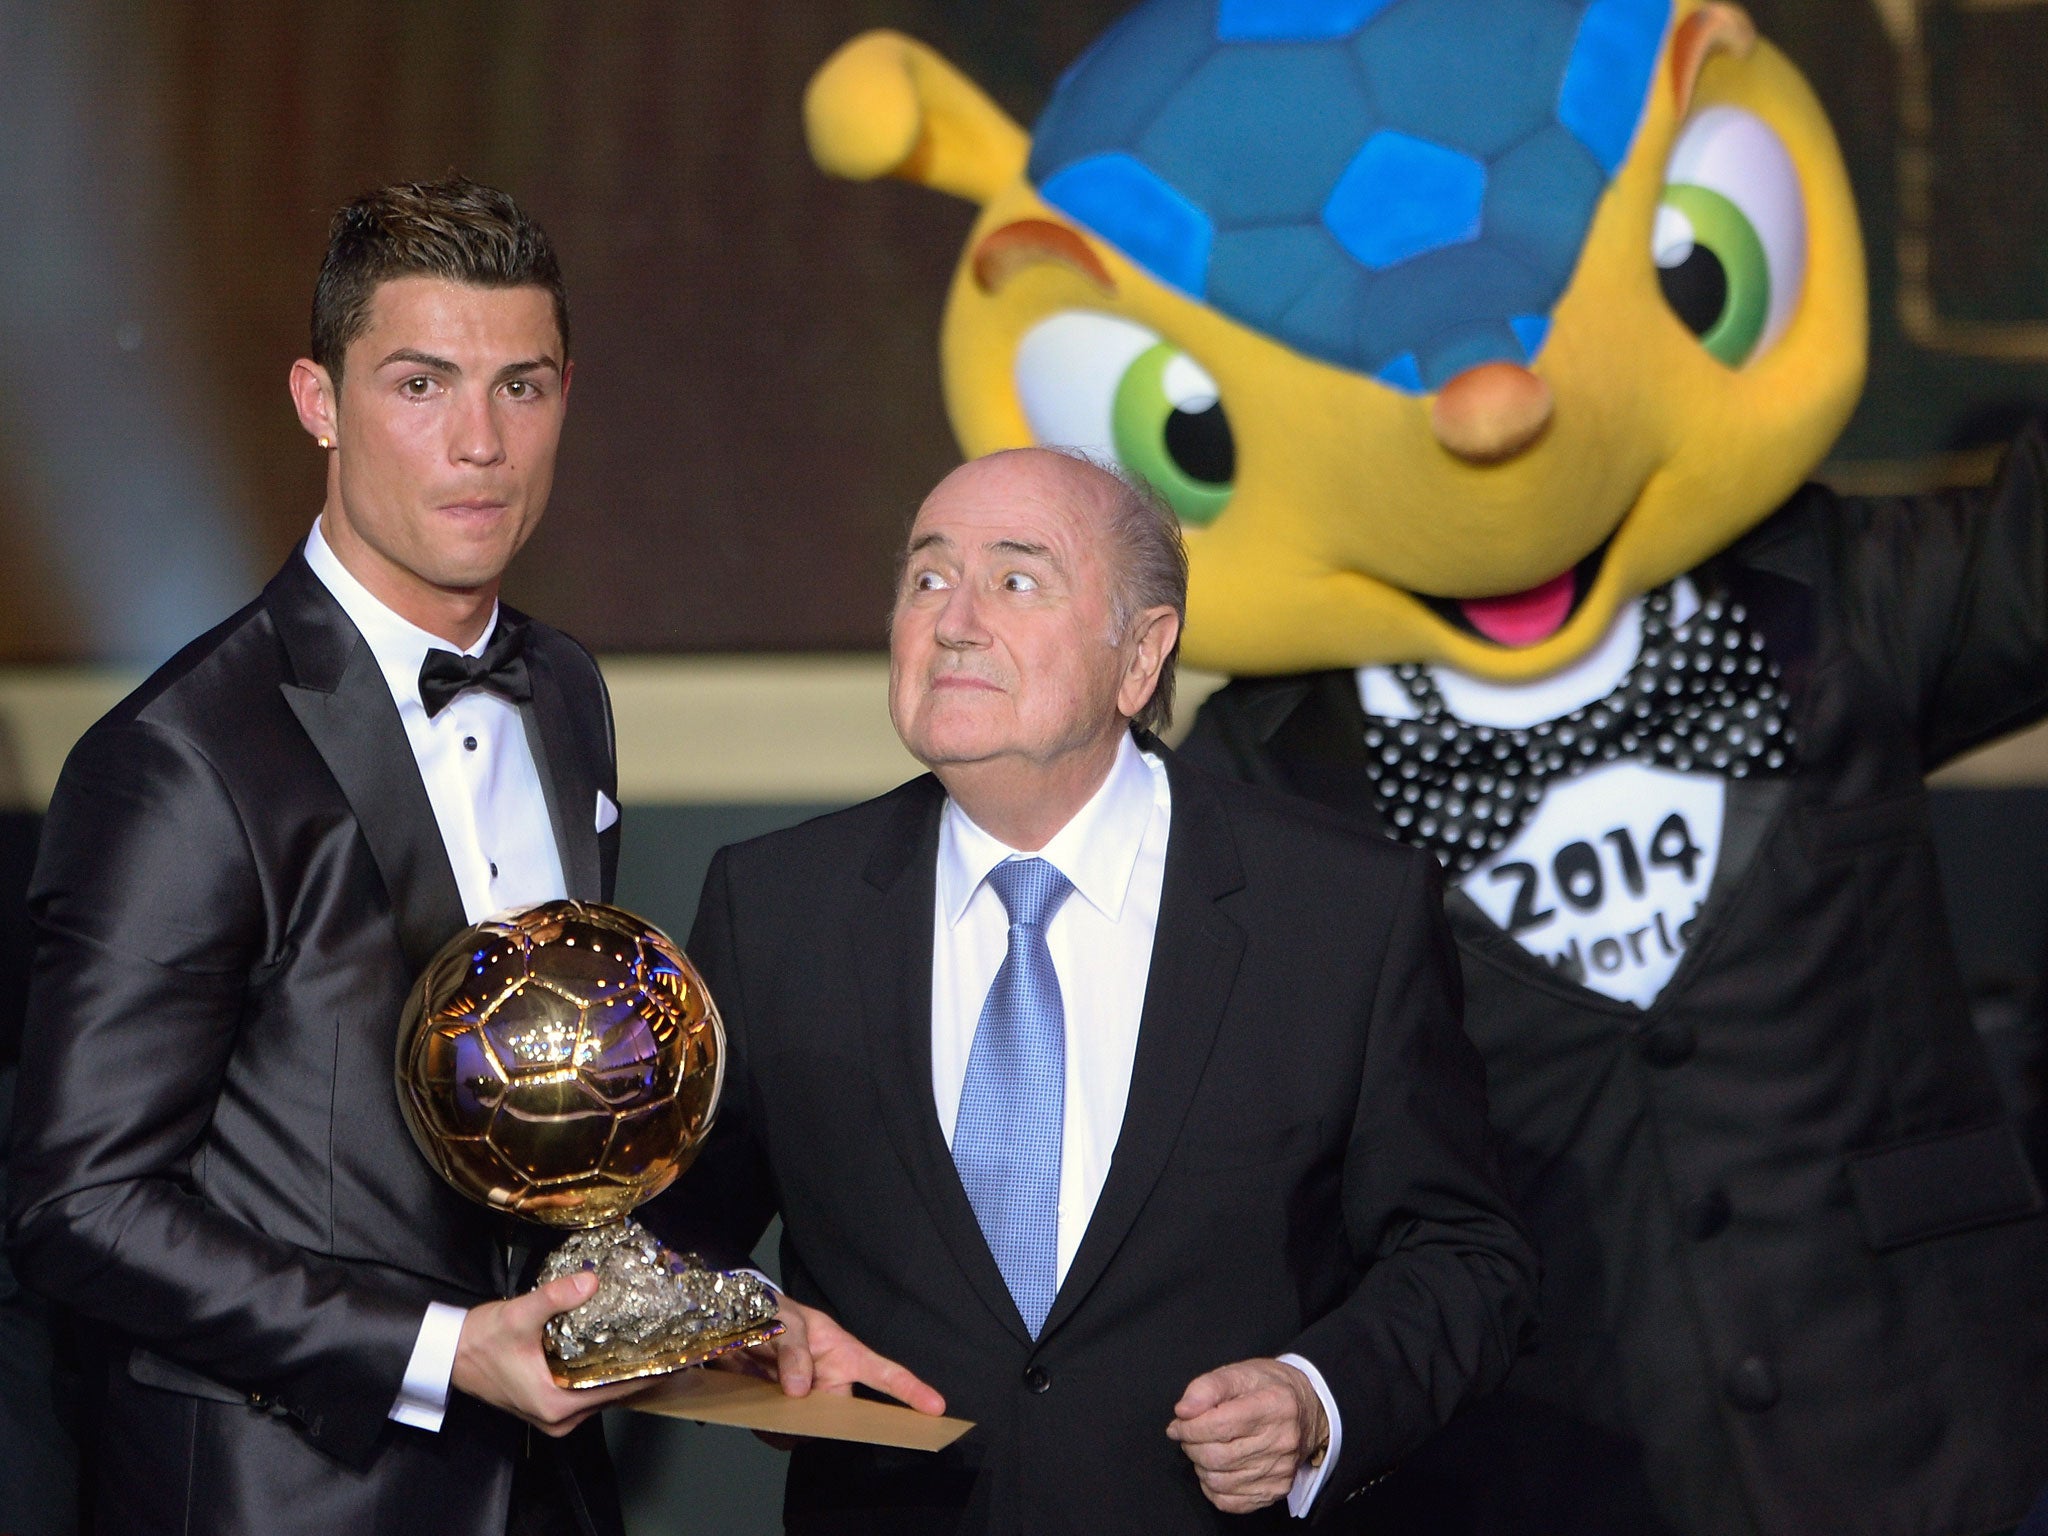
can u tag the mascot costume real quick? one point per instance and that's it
(1484, 348)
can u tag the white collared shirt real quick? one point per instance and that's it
(473, 757)
(1114, 853)
(488, 802)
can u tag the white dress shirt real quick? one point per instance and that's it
(1114, 853)
(488, 802)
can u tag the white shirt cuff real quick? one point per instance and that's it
(423, 1396)
(1308, 1480)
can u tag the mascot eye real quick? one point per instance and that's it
(1730, 240)
(1115, 388)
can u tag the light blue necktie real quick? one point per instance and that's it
(1006, 1139)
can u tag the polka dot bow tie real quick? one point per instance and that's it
(1702, 697)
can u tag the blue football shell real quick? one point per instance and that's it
(1398, 187)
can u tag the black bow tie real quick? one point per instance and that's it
(501, 668)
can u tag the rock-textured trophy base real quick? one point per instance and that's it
(654, 1311)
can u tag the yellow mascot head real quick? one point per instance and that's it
(1447, 326)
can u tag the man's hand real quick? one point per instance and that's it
(1248, 1428)
(815, 1354)
(498, 1358)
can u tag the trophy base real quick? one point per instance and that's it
(603, 1373)
(653, 1312)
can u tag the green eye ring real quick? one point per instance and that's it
(1723, 238)
(1188, 456)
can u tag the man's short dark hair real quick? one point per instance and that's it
(456, 229)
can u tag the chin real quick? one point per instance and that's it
(475, 570)
(954, 731)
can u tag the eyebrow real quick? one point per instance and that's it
(1003, 253)
(1002, 546)
(421, 359)
(1026, 547)
(1710, 30)
(529, 365)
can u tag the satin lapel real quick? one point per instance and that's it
(356, 728)
(1195, 955)
(893, 939)
(562, 742)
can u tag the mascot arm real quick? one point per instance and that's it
(1947, 596)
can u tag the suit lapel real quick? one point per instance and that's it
(894, 955)
(1195, 954)
(561, 742)
(341, 700)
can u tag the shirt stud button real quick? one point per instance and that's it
(494, 871)
(469, 743)
(1752, 1385)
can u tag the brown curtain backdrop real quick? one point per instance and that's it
(756, 408)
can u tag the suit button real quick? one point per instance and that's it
(1706, 1216)
(1036, 1379)
(1752, 1385)
(1667, 1044)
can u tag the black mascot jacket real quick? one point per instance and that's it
(1796, 1263)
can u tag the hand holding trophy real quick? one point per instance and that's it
(562, 1064)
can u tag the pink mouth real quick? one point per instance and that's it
(1523, 618)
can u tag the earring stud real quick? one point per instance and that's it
(326, 442)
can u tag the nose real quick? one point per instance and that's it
(476, 438)
(1490, 413)
(958, 626)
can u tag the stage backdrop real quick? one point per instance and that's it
(755, 408)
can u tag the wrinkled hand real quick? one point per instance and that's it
(1248, 1428)
(498, 1359)
(814, 1354)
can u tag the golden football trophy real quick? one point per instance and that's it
(562, 1063)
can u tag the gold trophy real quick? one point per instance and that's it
(562, 1063)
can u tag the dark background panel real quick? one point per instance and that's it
(756, 405)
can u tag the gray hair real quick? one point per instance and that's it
(1149, 569)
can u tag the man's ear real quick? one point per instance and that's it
(886, 105)
(1157, 630)
(313, 395)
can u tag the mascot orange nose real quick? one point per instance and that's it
(1491, 412)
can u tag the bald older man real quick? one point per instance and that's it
(1128, 1108)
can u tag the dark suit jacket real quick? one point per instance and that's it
(1795, 1262)
(240, 876)
(1303, 1165)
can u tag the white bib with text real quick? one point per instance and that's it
(1606, 877)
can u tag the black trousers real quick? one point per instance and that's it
(565, 1487)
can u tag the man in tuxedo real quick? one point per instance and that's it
(1128, 1108)
(244, 866)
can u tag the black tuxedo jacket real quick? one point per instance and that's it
(1796, 1264)
(240, 876)
(1303, 1165)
